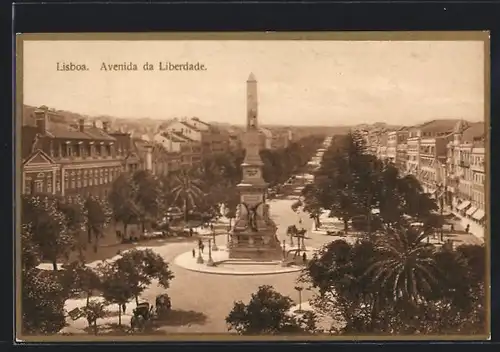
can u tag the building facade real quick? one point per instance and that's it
(466, 181)
(70, 160)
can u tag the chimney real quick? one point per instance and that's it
(81, 125)
(41, 121)
(105, 126)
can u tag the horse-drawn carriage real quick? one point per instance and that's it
(145, 313)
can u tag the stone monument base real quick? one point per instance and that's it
(256, 254)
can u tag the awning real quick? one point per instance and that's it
(478, 215)
(471, 211)
(463, 205)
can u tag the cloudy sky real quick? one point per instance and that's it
(299, 82)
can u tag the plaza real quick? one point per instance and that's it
(201, 301)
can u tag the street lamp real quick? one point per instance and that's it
(199, 260)
(284, 249)
(210, 261)
(303, 237)
(214, 247)
(299, 290)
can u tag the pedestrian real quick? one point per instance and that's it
(194, 253)
(467, 228)
(190, 232)
(300, 221)
(304, 257)
(124, 308)
(211, 227)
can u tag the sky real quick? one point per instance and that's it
(299, 82)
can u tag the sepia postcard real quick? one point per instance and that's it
(252, 186)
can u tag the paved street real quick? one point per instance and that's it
(200, 302)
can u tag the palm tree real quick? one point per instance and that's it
(404, 270)
(188, 187)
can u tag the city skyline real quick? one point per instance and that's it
(401, 83)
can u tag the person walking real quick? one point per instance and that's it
(194, 253)
(467, 228)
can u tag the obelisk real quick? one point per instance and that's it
(254, 232)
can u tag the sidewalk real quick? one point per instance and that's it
(474, 229)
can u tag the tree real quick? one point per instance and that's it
(78, 278)
(268, 312)
(115, 287)
(396, 284)
(312, 204)
(49, 227)
(188, 188)
(139, 267)
(148, 196)
(42, 295)
(122, 199)
(99, 215)
(92, 311)
(30, 251)
(42, 303)
(405, 271)
(74, 212)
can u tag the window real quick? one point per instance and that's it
(108, 150)
(78, 150)
(49, 185)
(27, 185)
(91, 178)
(38, 186)
(73, 180)
(58, 186)
(79, 180)
(66, 181)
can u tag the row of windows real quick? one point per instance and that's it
(80, 150)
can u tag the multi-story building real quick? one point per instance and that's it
(426, 152)
(396, 148)
(466, 179)
(67, 160)
(281, 138)
(211, 138)
(266, 138)
(382, 146)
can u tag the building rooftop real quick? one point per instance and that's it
(441, 125)
(188, 125)
(182, 136)
(475, 131)
(200, 121)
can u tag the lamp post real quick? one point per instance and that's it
(303, 237)
(199, 260)
(214, 247)
(299, 290)
(284, 249)
(210, 261)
